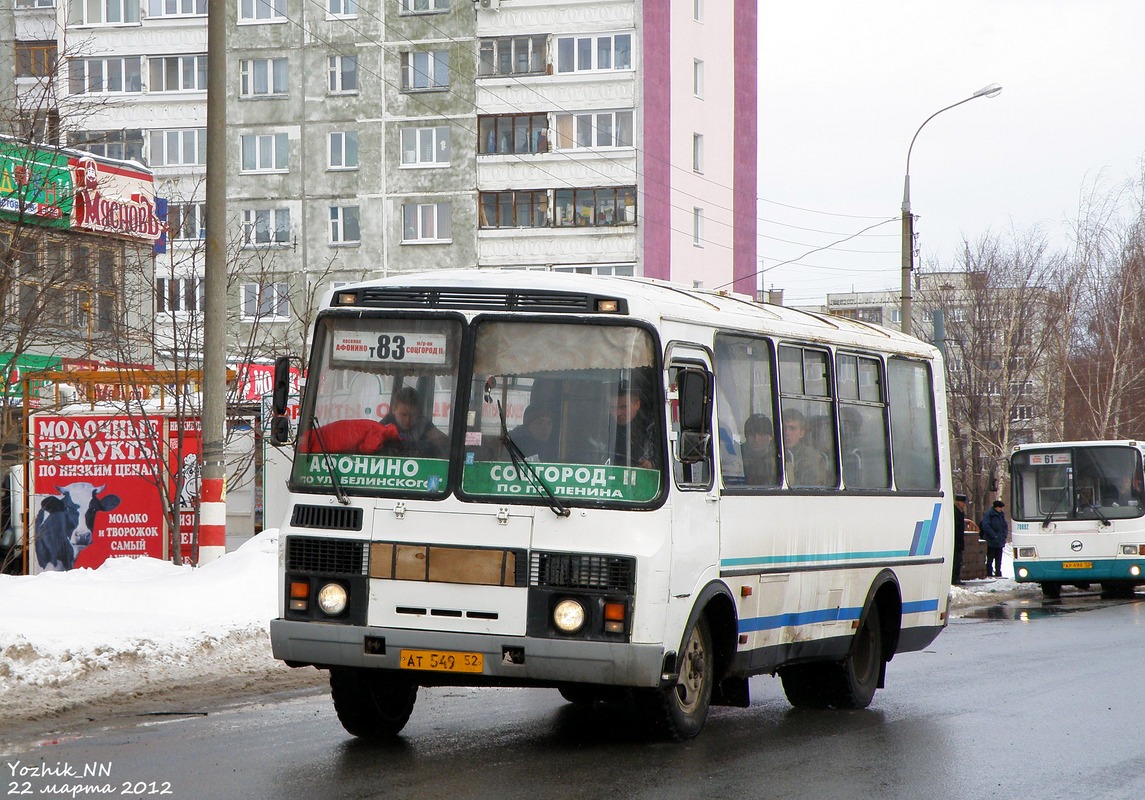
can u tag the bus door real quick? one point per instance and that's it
(695, 501)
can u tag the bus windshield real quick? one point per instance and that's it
(572, 406)
(380, 407)
(1098, 482)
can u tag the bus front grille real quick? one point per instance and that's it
(576, 571)
(326, 556)
(337, 518)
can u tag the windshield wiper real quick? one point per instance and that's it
(1064, 491)
(335, 481)
(523, 466)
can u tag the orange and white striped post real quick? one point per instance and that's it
(212, 520)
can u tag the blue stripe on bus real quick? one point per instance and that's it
(921, 545)
(824, 615)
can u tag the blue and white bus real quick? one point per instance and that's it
(1078, 515)
(713, 489)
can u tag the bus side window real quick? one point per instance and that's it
(745, 407)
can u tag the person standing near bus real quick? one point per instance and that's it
(959, 538)
(995, 530)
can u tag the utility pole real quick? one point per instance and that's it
(213, 498)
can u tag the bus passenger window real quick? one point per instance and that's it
(746, 413)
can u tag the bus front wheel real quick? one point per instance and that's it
(1052, 591)
(680, 710)
(372, 704)
(859, 673)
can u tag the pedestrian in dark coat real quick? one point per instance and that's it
(959, 537)
(995, 530)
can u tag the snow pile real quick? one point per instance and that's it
(66, 637)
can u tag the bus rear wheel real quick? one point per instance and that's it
(372, 704)
(681, 709)
(859, 673)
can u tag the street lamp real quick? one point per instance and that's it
(908, 219)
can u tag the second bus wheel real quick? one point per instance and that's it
(372, 704)
(858, 674)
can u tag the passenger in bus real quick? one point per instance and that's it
(533, 437)
(635, 444)
(806, 466)
(759, 454)
(417, 435)
(1121, 492)
(851, 426)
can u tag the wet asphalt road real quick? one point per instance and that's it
(1025, 700)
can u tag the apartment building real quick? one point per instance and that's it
(375, 137)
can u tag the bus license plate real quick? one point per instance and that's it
(1077, 565)
(442, 661)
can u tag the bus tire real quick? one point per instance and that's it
(859, 673)
(1051, 591)
(808, 685)
(680, 710)
(372, 704)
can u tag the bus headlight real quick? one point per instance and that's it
(1135, 571)
(1027, 552)
(1023, 573)
(568, 616)
(332, 599)
(1132, 549)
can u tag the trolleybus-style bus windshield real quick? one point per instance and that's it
(1077, 483)
(553, 413)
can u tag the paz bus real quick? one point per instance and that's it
(452, 544)
(1077, 510)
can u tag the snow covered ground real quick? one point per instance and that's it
(135, 626)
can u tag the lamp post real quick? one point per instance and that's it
(908, 219)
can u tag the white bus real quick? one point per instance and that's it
(1077, 510)
(517, 528)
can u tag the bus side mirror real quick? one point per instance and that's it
(695, 400)
(280, 423)
(281, 385)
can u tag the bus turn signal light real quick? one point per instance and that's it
(299, 595)
(614, 614)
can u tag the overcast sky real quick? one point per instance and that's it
(844, 85)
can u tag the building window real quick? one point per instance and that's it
(179, 148)
(600, 269)
(36, 59)
(425, 147)
(266, 302)
(262, 10)
(343, 150)
(187, 221)
(35, 3)
(697, 152)
(697, 227)
(424, 6)
(425, 70)
(596, 129)
(105, 75)
(599, 207)
(513, 133)
(427, 222)
(109, 12)
(344, 225)
(343, 72)
(262, 77)
(174, 295)
(594, 53)
(178, 73)
(698, 78)
(342, 8)
(513, 55)
(264, 152)
(126, 145)
(39, 125)
(176, 8)
(266, 226)
(514, 209)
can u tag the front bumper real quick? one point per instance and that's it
(1054, 571)
(508, 660)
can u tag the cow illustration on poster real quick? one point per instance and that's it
(184, 451)
(95, 490)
